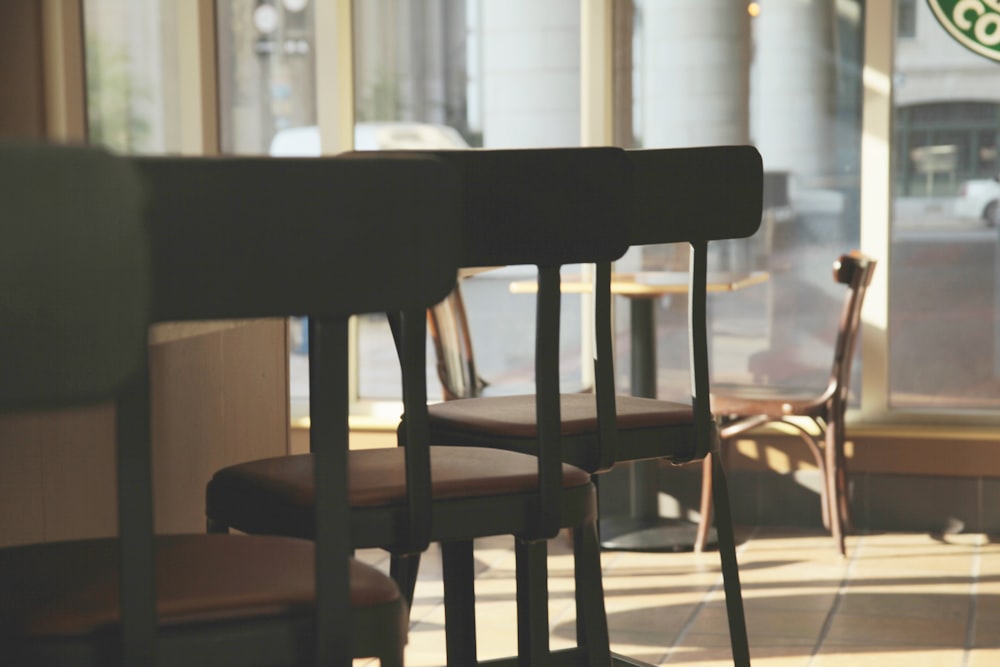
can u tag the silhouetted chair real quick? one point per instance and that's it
(678, 195)
(230, 239)
(743, 407)
(542, 207)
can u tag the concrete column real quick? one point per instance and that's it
(793, 104)
(695, 72)
(531, 73)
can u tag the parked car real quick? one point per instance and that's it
(979, 200)
(304, 141)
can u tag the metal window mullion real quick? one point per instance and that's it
(198, 77)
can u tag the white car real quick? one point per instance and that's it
(305, 141)
(979, 200)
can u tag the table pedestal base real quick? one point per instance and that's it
(651, 534)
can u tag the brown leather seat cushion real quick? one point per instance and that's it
(70, 589)
(514, 416)
(773, 401)
(377, 477)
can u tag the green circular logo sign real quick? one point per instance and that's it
(975, 24)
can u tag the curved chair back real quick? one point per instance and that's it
(855, 270)
(456, 362)
(74, 307)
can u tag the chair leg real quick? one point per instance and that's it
(532, 601)
(730, 567)
(833, 491)
(841, 478)
(705, 522)
(391, 657)
(215, 527)
(403, 569)
(458, 574)
(591, 618)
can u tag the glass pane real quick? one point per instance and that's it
(132, 75)
(943, 350)
(267, 105)
(464, 73)
(784, 75)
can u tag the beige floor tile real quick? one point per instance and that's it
(984, 658)
(770, 656)
(987, 632)
(888, 657)
(894, 630)
(906, 601)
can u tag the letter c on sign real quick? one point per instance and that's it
(988, 29)
(962, 8)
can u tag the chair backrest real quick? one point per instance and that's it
(327, 239)
(696, 195)
(74, 307)
(855, 270)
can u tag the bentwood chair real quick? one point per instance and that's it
(679, 195)
(743, 407)
(535, 207)
(455, 360)
(75, 284)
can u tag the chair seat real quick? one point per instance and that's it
(509, 422)
(70, 589)
(276, 495)
(774, 401)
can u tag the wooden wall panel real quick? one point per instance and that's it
(22, 506)
(218, 398)
(22, 83)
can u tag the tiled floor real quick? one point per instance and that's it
(897, 599)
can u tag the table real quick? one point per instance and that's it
(643, 529)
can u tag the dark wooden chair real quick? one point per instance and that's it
(743, 407)
(538, 207)
(80, 281)
(678, 195)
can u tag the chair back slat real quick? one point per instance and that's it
(254, 237)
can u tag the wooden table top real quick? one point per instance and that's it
(653, 283)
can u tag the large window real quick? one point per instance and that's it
(746, 77)
(132, 75)
(943, 344)
(784, 75)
